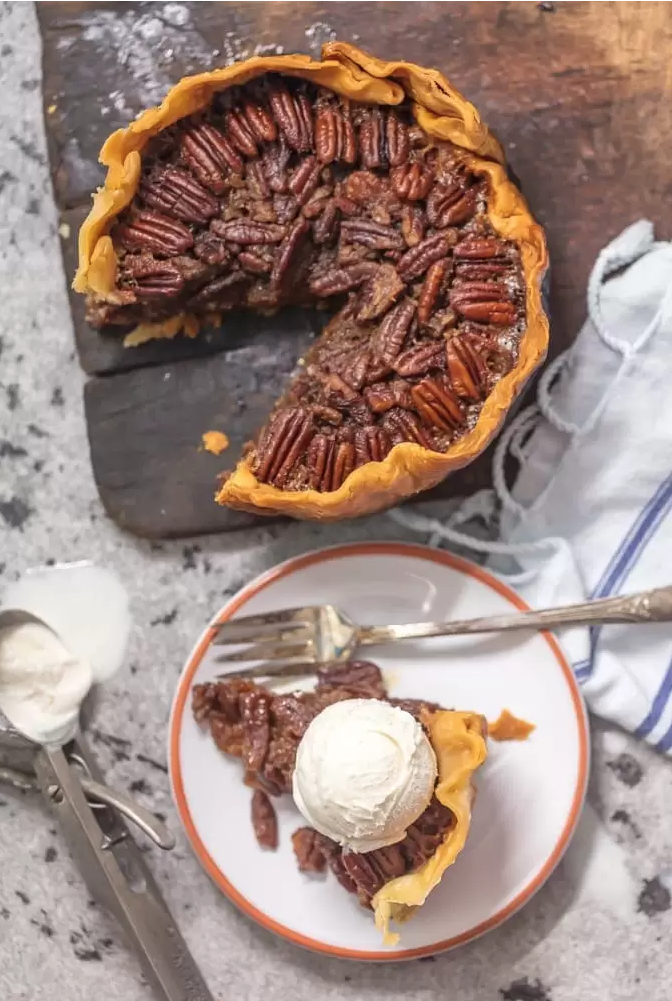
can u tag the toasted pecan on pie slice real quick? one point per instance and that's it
(368, 186)
(264, 730)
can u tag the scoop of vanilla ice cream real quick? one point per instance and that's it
(41, 684)
(364, 772)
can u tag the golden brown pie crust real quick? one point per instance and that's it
(443, 114)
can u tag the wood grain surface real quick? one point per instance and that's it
(578, 93)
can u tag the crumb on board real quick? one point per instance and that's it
(64, 230)
(51, 109)
(215, 442)
(509, 727)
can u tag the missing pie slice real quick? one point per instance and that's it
(369, 187)
(264, 730)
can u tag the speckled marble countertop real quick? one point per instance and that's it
(599, 929)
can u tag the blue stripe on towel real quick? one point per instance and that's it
(624, 559)
(665, 742)
(658, 707)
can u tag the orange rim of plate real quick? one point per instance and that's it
(180, 702)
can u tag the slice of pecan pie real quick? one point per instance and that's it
(367, 186)
(264, 730)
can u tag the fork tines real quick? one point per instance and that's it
(284, 638)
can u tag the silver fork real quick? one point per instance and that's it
(295, 641)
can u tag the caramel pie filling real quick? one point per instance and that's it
(282, 192)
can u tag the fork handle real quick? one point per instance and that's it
(645, 606)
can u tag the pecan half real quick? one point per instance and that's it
(467, 368)
(151, 279)
(176, 192)
(480, 249)
(255, 261)
(355, 371)
(309, 850)
(392, 331)
(326, 226)
(286, 208)
(287, 250)
(364, 189)
(209, 155)
(274, 163)
(441, 200)
(335, 863)
(404, 426)
(293, 116)
(420, 359)
(304, 114)
(240, 133)
(343, 464)
(431, 289)
(377, 370)
(461, 211)
(319, 459)
(334, 135)
(255, 718)
(382, 396)
(361, 678)
(244, 232)
(373, 869)
(501, 314)
(416, 260)
(154, 232)
(379, 293)
(259, 122)
(257, 184)
(342, 279)
(285, 440)
(482, 271)
(371, 445)
(372, 235)
(424, 837)
(328, 414)
(264, 820)
(372, 146)
(398, 142)
(412, 181)
(305, 179)
(478, 292)
(329, 462)
(413, 224)
(436, 404)
(484, 302)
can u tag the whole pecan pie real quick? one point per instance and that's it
(264, 729)
(367, 186)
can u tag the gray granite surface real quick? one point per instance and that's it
(599, 929)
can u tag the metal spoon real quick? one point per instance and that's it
(111, 863)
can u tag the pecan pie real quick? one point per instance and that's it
(366, 186)
(264, 730)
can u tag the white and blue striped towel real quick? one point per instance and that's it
(590, 513)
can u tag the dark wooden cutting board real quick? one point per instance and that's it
(577, 92)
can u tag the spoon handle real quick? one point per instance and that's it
(118, 877)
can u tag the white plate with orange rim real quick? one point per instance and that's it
(529, 794)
